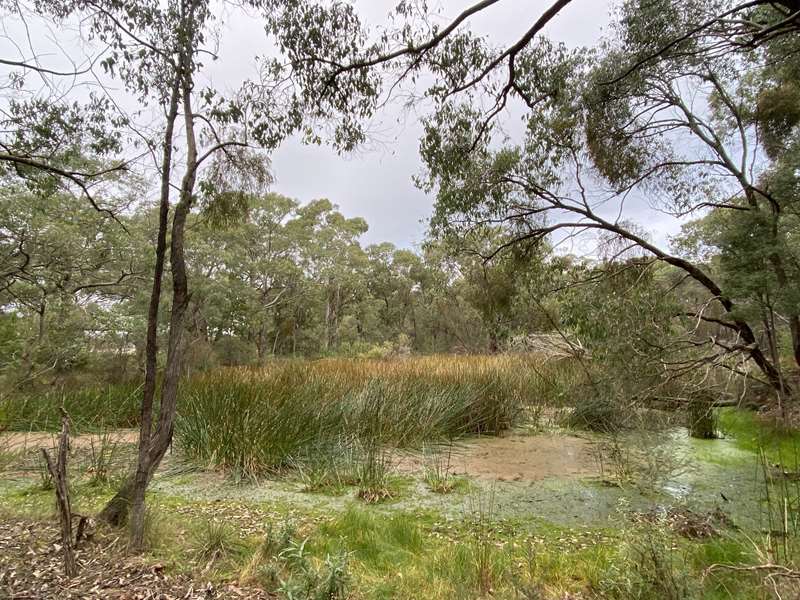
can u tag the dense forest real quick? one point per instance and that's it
(612, 261)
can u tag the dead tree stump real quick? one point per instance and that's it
(702, 420)
(58, 472)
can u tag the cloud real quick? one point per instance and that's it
(376, 182)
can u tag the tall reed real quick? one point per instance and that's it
(259, 420)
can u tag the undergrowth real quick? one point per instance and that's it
(92, 408)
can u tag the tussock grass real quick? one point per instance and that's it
(90, 409)
(262, 420)
(258, 420)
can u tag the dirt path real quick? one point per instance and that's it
(17, 441)
(515, 458)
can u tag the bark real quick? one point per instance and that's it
(275, 341)
(260, 342)
(494, 345)
(132, 491)
(41, 330)
(58, 472)
(162, 438)
(153, 446)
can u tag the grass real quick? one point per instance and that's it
(215, 539)
(437, 470)
(90, 409)
(373, 552)
(263, 420)
(256, 421)
(333, 424)
(756, 434)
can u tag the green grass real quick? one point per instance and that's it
(374, 552)
(255, 421)
(756, 434)
(90, 409)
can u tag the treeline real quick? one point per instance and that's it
(279, 278)
(680, 108)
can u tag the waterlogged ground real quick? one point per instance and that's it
(559, 477)
(568, 499)
(553, 477)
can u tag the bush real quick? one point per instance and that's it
(233, 351)
(652, 568)
(597, 413)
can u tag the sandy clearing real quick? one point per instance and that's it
(515, 458)
(16, 441)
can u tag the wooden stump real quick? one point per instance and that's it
(58, 472)
(702, 420)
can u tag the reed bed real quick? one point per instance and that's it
(256, 420)
(261, 420)
(94, 408)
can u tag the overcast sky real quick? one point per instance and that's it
(376, 182)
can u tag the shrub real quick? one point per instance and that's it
(597, 413)
(232, 351)
(652, 567)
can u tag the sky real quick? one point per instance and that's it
(376, 181)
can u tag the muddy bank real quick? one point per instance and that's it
(19, 441)
(511, 458)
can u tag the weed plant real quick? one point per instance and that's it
(437, 465)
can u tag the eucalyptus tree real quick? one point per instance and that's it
(159, 51)
(53, 135)
(246, 271)
(58, 258)
(332, 257)
(664, 112)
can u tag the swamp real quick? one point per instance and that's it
(400, 299)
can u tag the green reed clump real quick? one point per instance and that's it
(250, 425)
(256, 421)
(89, 408)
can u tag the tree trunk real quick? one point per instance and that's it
(42, 329)
(175, 350)
(494, 346)
(58, 472)
(133, 490)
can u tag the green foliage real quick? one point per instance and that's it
(257, 421)
(652, 567)
(231, 351)
(64, 265)
(89, 408)
(381, 542)
(282, 562)
(755, 433)
(597, 413)
(215, 540)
